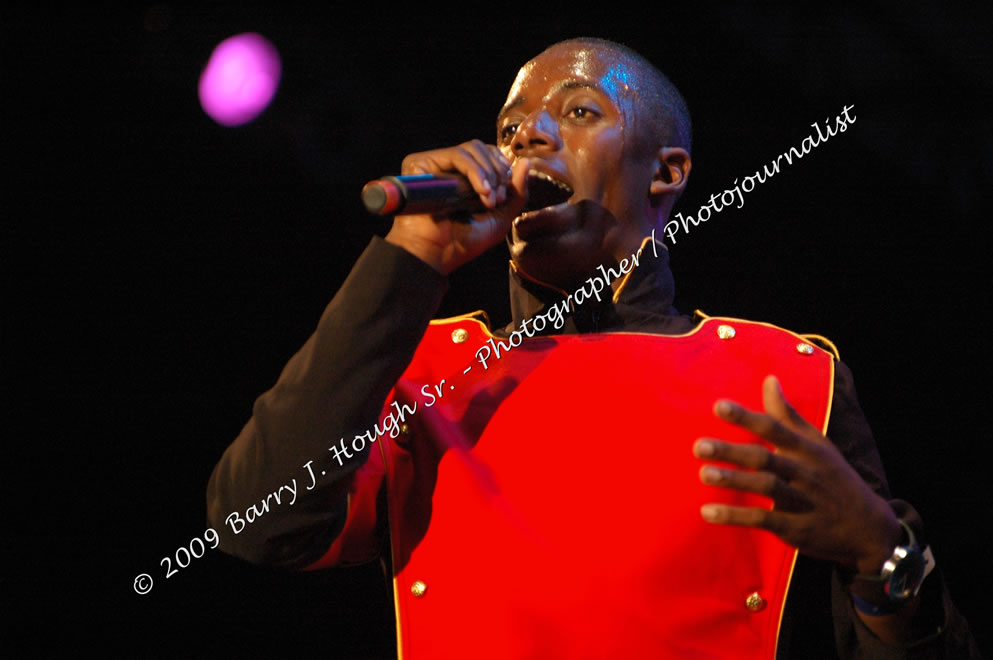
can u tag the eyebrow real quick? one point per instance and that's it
(567, 84)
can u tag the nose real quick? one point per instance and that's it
(537, 133)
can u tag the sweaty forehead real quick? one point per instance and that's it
(603, 69)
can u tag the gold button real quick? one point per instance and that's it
(755, 602)
(805, 348)
(418, 589)
(725, 332)
(404, 439)
(459, 335)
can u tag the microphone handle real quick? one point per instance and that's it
(421, 193)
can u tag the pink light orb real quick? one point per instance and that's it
(240, 79)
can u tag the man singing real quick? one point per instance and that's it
(604, 477)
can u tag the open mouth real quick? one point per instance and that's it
(544, 191)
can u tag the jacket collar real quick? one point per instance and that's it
(641, 303)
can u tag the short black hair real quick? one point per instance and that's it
(660, 101)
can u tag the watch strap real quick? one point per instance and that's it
(871, 594)
(911, 543)
(886, 607)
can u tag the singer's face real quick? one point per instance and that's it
(571, 110)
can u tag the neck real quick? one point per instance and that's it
(633, 294)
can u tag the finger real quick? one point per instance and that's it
(724, 514)
(467, 159)
(784, 496)
(503, 170)
(755, 457)
(777, 406)
(516, 196)
(472, 159)
(761, 483)
(502, 161)
(483, 156)
(495, 163)
(761, 424)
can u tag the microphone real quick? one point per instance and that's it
(421, 193)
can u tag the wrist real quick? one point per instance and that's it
(886, 589)
(880, 548)
(428, 252)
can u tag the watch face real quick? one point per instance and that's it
(904, 572)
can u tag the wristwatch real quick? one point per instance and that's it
(899, 580)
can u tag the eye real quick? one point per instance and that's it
(582, 112)
(508, 131)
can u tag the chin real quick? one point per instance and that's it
(560, 263)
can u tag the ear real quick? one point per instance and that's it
(671, 172)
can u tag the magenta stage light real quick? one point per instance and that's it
(240, 79)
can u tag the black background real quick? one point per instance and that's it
(160, 269)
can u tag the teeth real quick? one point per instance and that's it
(544, 177)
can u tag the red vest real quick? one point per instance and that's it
(549, 506)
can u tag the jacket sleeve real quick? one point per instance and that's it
(940, 630)
(267, 504)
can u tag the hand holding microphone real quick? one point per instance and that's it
(472, 177)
